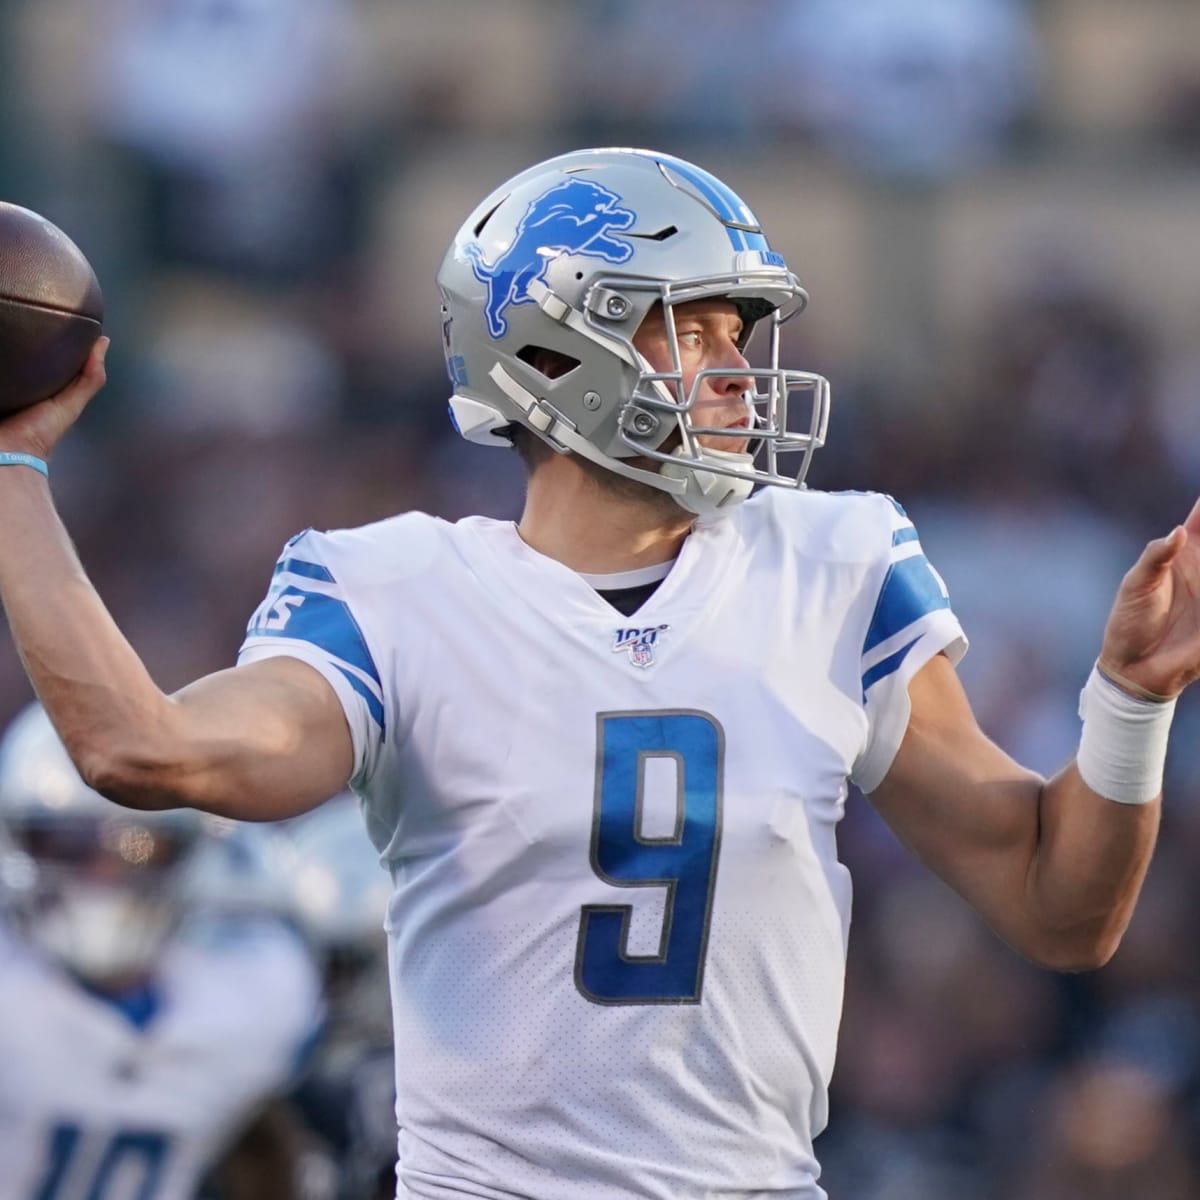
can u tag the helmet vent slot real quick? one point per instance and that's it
(487, 216)
(660, 236)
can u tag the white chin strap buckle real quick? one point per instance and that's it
(708, 491)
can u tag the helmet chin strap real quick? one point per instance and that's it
(695, 490)
(705, 492)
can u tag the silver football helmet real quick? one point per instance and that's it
(95, 886)
(570, 256)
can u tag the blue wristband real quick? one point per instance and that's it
(11, 458)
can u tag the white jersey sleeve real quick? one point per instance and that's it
(911, 622)
(306, 615)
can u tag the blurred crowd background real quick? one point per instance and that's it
(995, 205)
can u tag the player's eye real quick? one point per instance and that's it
(691, 338)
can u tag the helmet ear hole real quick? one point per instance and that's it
(553, 364)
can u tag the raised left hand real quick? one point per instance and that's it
(1152, 637)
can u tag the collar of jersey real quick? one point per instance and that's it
(690, 586)
(139, 1004)
(617, 580)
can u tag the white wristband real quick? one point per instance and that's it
(1123, 747)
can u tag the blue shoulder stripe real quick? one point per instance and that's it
(910, 591)
(323, 621)
(374, 704)
(297, 566)
(908, 534)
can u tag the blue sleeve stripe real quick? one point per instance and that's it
(323, 621)
(910, 591)
(886, 666)
(297, 566)
(908, 534)
(374, 704)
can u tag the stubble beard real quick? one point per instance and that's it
(661, 504)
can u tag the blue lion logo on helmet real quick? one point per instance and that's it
(573, 218)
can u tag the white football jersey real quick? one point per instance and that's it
(98, 1105)
(618, 928)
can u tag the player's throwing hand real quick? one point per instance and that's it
(37, 430)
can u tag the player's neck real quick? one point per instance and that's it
(573, 517)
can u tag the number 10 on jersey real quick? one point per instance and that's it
(684, 862)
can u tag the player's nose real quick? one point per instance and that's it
(735, 379)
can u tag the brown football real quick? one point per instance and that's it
(51, 308)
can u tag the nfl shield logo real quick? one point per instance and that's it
(639, 643)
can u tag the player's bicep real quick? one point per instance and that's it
(958, 801)
(267, 740)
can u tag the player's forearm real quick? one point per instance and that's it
(91, 681)
(1099, 817)
(253, 745)
(1091, 859)
(1053, 866)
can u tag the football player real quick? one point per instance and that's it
(141, 1040)
(604, 750)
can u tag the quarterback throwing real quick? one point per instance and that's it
(603, 751)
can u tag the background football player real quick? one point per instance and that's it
(148, 1016)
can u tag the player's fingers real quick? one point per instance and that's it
(87, 383)
(1157, 556)
(1192, 524)
(92, 376)
(38, 429)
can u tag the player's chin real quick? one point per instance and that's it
(729, 445)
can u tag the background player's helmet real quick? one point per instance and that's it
(95, 886)
(240, 869)
(339, 896)
(570, 256)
